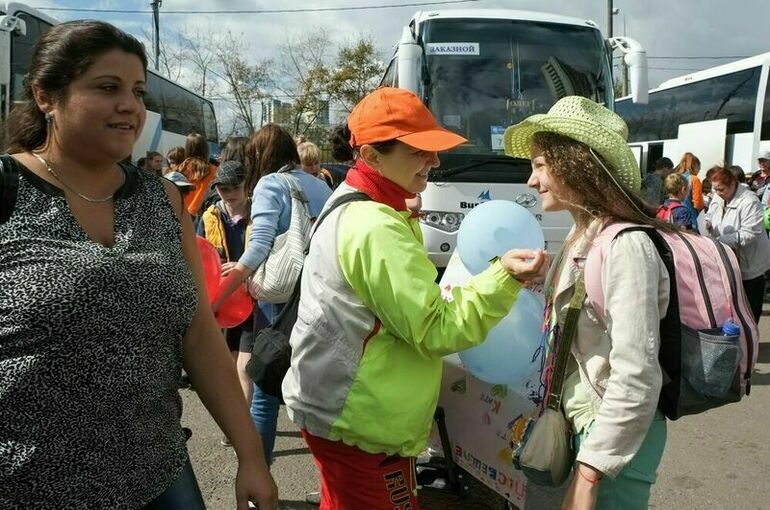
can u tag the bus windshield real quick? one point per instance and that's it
(486, 74)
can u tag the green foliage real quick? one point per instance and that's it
(314, 83)
(247, 83)
(357, 72)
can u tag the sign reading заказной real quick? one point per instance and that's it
(453, 48)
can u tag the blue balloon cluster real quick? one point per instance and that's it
(493, 228)
(490, 230)
(506, 356)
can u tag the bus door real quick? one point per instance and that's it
(654, 153)
(704, 139)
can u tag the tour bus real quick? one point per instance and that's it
(721, 114)
(482, 70)
(172, 110)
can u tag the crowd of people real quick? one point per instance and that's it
(103, 301)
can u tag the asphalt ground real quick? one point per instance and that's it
(716, 460)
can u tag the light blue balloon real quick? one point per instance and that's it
(506, 356)
(493, 228)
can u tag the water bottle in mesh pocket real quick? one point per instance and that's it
(710, 360)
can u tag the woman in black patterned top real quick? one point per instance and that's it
(102, 300)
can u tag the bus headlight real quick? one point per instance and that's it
(442, 220)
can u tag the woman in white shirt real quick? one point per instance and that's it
(737, 220)
(581, 163)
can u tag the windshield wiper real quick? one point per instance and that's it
(474, 163)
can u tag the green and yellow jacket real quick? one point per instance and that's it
(373, 327)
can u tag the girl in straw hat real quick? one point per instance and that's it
(581, 164)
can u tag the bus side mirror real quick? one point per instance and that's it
(409, 62)
(635, 57)
(13, 24)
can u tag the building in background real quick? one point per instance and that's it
(276, 112)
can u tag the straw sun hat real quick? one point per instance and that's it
(583, 120)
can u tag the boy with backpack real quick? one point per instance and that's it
(673, 210)
(224, 225)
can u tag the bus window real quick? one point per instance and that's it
(181, 110)
(731, 96)
(765, 134)
(488, 74)
(153, 99)
(21, 51)
(391, 74)
(210, 121)
(654, 153)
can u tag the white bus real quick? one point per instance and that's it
(721, 114)
(481, 70)
(172, 110)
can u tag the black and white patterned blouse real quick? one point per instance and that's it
(91, 350)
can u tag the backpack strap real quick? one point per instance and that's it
(9, 186)
(285, 320)
(595, 260)
(295, 189)
(665, 212)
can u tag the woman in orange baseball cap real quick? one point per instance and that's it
(372, 326)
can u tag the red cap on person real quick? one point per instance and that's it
(396, 114)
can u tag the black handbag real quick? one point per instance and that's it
(271, 356)
(9, 186)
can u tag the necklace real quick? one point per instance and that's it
(51, 171)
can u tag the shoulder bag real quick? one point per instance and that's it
(271, 356)
(9, 185)
(544, 449)
(274, 280)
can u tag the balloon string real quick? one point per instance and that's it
(547, 359)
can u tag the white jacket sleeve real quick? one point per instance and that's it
(636, 291)
(751, 224)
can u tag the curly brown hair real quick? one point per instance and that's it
(592, 191)
(175, 156)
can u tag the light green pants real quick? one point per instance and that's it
(630, 490)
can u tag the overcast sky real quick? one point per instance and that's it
(666, 28)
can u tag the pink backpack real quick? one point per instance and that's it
(704, 365)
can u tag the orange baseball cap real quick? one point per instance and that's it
(396, 114)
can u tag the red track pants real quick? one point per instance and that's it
(352, 479)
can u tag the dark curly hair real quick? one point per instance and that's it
(343, 152)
